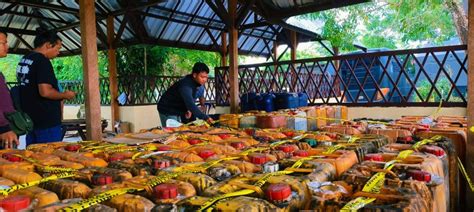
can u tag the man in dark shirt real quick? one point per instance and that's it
(180, 99)
(40, 97)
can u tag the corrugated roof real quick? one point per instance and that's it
(192, 24)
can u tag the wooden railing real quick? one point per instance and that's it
(139, 90)
(414, 77)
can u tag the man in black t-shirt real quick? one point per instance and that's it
(180, 99)
(40, 97)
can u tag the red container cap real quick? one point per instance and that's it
(373, 157)
(286, 148)
(12, 158)
(435, 150)
(289, 134)
(72, 147)
(422, 129)
(102, 179)
(166, 191)
(194, 141)
(250, 131)
(238, 144)
(15, 203)
(161, 164)
(258, 158)
(301, 153)
(117, 157)
(224, 136)
(164, 148)
(425, 125)
(278, 192)
(405, 139)
(332, 135)
(420, 175)
(206, 153)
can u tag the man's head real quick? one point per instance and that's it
(200, 73)
(48, 43)
(3, 44)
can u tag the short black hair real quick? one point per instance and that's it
(200, 67)
(44, 36)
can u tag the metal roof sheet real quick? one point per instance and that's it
(180, 23)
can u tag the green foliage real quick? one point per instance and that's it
(386, 24)
(443, 86)
(162, 60)
(131, 60)
(70, 68)
(8, 66)
(182, 61)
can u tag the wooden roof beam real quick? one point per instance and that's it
(36, 17)
(7, 9)
(114, 13)
(18, 31)
(43, 5)
(220, 10)
(244, 11)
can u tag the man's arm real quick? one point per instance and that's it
(186, 93)
(47, 91)
(202, 101)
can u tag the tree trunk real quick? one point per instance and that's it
(459, 18)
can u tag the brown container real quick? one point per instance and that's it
(271, 121)
(392, 134)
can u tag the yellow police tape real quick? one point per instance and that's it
(357, 204)
(464, 173)
(353, 139)
(433, 139)
(208, 204)
(16, 187)
(151, 183)
(375, 183)
(84, 204)
(296, 116)
(146, 148)
(332, 149)
(43, 168)
(258, 149)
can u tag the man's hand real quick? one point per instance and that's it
(188, 115)
(210, 120)
(202, 108)
(69, 95)
(8, 140)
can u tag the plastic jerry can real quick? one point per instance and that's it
(286, 101)
(302, 100)
(248, 101)
(297, 121)
(266, 102)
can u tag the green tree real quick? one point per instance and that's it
(182, 60)
(8, 66)
(70, 68)
(388, 23)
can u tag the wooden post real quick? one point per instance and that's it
(275, 66)
(91, 68)
(224, 49)
(233, 59)
(294, 46)
(112, 71)
(470, 109)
